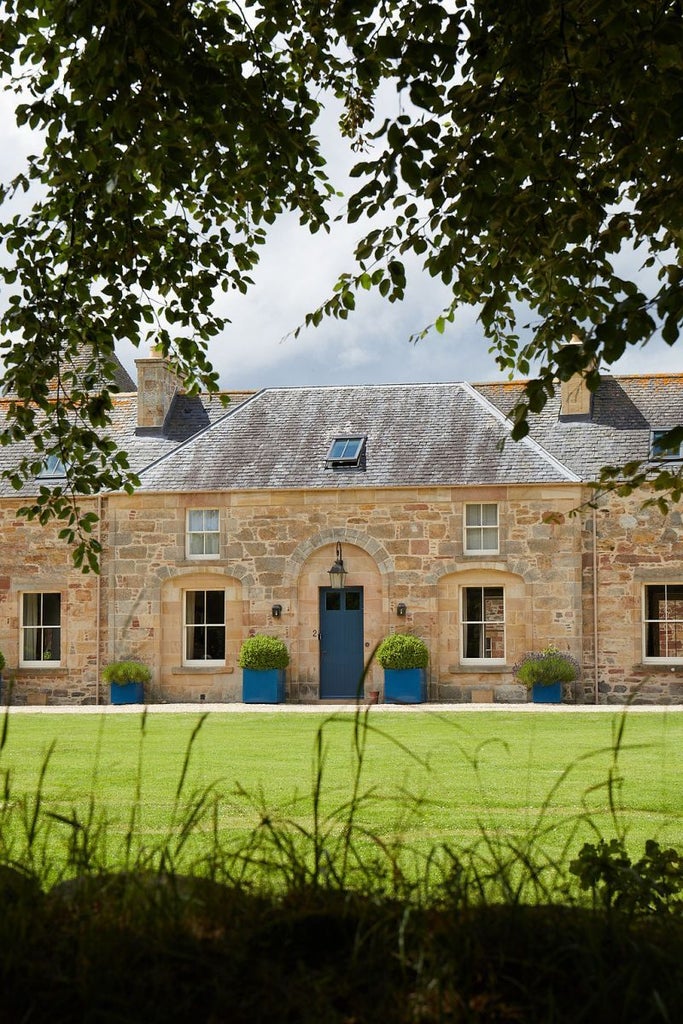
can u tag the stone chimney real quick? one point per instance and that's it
(576, 401)
(157, 385)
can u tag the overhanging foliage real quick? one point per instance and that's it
(537, 142)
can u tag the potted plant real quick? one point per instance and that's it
(404, 658)
(2, 665)
(544, 672)
(263, 660)
(126, 681)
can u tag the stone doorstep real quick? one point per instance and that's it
(482, 695)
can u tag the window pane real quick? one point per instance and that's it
(473, 515)
(489, 515)
(194, 606)
(655, 602)
(333, 601)
(489, 540)
(652, 645)
(211, 544)
(195, 643)
(215, 642)
(215, 605)
(352, 601)
(211, 519)
(674, 596)
(196, 544)
(473, 538)
(473, 604)
(472, 640)
(195, 520)
(337, 450)
(494, 642)
(493, 604)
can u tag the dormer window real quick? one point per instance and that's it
(664, 450)
(346, 453)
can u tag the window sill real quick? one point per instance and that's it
(467, 668)
(482, 554)
(39, 666)
(208, 560)
(202, 670)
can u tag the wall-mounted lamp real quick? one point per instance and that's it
(337, 572)
(401, 609)
(276, 611)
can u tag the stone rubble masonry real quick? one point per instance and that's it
(399, 545)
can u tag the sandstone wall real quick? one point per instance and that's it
(34, 559)
(400, 546)
(634, 546)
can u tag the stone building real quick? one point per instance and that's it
(483, 546)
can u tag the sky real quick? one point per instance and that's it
(297, 273)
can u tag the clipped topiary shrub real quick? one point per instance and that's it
(2, 661)
(261, 653)
(402, 650)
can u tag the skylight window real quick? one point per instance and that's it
(53, 467)
(346, 451)
(659, 449)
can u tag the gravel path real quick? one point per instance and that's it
(350, 708)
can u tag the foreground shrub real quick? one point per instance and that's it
(651, 884)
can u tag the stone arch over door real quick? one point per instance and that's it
(179, 682)
(455, 678)
(363, 572)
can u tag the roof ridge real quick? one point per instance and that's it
(527, 441)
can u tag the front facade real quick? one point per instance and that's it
(446, 528)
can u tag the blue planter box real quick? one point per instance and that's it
(266, 686)
(405, 685)
(126, 693)
(550, 694)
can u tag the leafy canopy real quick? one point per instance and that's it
(534, 144)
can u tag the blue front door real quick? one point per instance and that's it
(341, 643)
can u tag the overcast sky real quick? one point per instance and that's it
(297, 273)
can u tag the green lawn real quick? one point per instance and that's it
(426, 779)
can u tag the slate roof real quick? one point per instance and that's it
(417, 435)
(120, 380)
(186, 417)
(625, 411)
